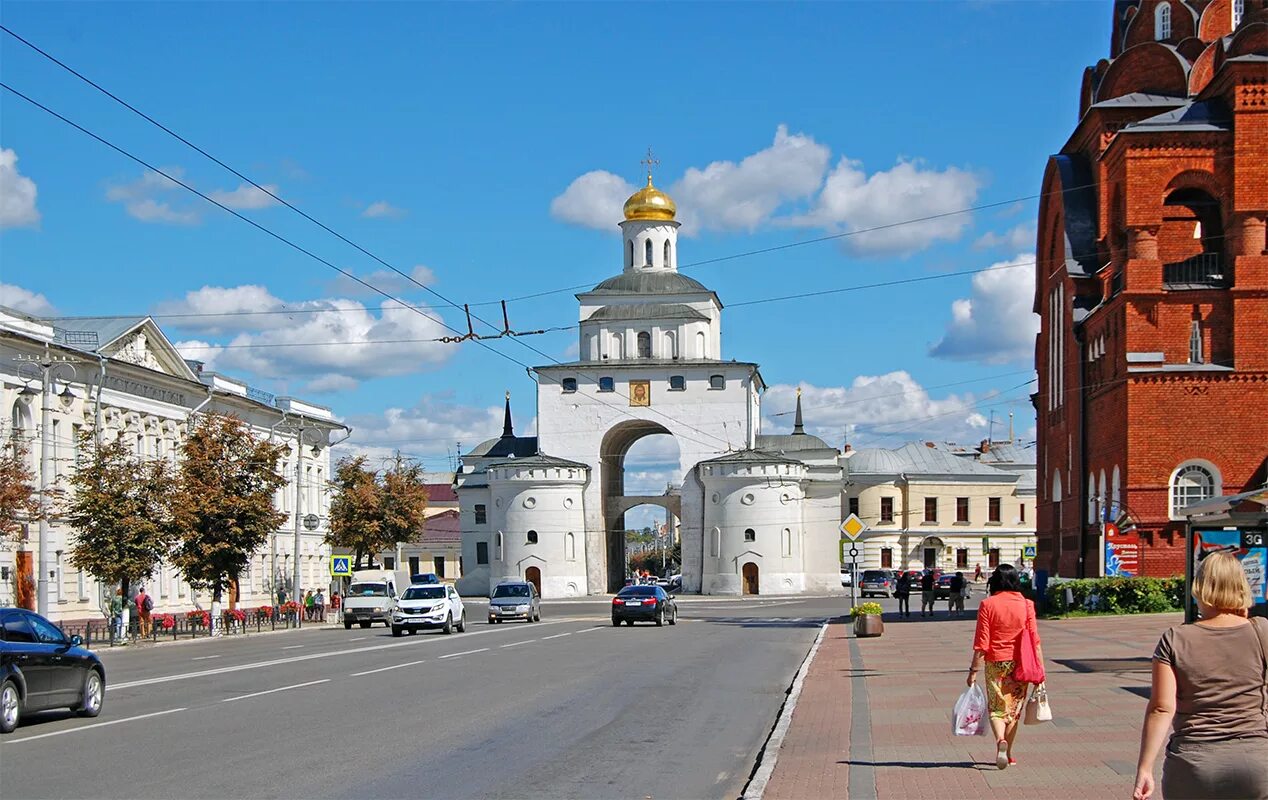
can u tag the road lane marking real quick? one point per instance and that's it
(589, 630)
(517, 644)
(271, 691)
(557, 636)
(385, 669)
(359, 638)
(202, 658)
(464, 653)
(306, 657)
(293, 647)
(94, 725)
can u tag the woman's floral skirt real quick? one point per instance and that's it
(1005, 696)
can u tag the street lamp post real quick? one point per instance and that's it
(299, 504)
(47, 363)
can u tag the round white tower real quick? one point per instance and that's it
(650, 231)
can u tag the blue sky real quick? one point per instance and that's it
(482, 147)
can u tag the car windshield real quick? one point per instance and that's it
(424, 593)
(637, 591)
(874, 575)
(511, 590)
(368, 590)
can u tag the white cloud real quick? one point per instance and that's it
(788, 184)
(593, 200)
(383, 210)
(388, 281)
(1016, 238)
(17, 194)
(729, 196)
(154, 198)
(432, 427)
(328, 339)
(27, 302)
(879, 410)
(995, 324)
(246, 197)
(330, 384)
(853, 201)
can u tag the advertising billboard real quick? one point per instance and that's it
(1250, 545)
(1122, 552)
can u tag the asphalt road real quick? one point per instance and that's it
(567, 708)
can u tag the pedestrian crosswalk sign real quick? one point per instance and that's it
(1028, 551)
(341, 565)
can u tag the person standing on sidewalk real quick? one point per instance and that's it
(956, 598)
(144, 609)
(319, 605)
(116, 613)
(927, 596)
(902, 591)
(1000, 621)
(1208, 690)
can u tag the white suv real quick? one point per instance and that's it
(431, 605)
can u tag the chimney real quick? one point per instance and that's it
(985, 446)
(848, 447)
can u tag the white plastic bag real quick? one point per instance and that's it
(969, 716)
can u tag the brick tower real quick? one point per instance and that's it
(1152, 284)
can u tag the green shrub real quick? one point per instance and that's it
(1117, 595)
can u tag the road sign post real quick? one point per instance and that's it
(851, 529)
(341, 566)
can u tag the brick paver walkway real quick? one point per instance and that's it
(874, 717)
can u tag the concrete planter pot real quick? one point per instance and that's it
(866, 625)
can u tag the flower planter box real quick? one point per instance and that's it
(866, 625)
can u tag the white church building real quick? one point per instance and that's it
(756, 514)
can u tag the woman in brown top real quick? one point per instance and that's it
(1209, 690)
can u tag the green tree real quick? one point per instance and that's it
(355, 522)
(223, 508)
(120, 509)
(18, 503)
(372, 512)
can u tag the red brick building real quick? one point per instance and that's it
(1152, 284)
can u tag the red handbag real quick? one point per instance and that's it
(1028, 668)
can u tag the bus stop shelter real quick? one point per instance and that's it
(1237, 524)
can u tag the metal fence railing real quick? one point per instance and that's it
(173, 627)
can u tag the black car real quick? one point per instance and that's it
(40, 668)
(646, 603)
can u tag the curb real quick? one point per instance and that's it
(765, 767)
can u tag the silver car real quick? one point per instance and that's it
(515, 600)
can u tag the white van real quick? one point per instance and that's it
(372, 596)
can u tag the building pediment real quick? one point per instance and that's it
(145, 346)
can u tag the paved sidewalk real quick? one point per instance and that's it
(874, 716)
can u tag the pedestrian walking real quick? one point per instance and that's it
(116, 613)
(336, 600)
(902, 590)
(958, 587)
(144, 610)
(1208, 691)
(977, 574)
(927, 596)
(1001, 621)
(319, 605)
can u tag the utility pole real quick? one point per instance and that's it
(46, 363)
(299, 506)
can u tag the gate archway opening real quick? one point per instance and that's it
(750, 583)
(639, 466)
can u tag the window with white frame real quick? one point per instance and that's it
(1162, 22)
(1192, 483)
(787, 542)
(81, 584)
(715, 542)
(1239, 9)
(570, 547)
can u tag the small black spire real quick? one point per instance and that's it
(508, 430)
(798, 428)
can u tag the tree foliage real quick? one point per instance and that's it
(120, 510)
(372, 512)
(223, 507)
(18, 503)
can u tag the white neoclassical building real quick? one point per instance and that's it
(755, 513)
(121, 377)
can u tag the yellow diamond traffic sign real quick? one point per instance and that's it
(853, 527)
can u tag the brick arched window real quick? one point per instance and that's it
(1193, 482)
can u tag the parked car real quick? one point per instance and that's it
(424, 577)
(847, 578)
(515, 600)
(429, 606)
(876, 582)
(41, 668)
(645, 603)
(942, 589)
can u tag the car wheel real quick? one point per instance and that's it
(10, 707)
(616, 623)
(448, 629)
(492, 620)
(397, 630)
(660, 618)
(364, 625)
(347, 626)
(90, 700)
(462, 622)
(629, 623)
(673, 618)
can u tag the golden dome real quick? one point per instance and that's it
(650, 203)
